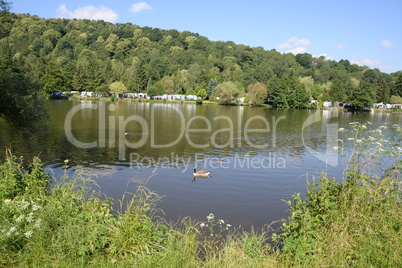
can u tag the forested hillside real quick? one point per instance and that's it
(88, 55)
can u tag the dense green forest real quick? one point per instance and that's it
(88, 55)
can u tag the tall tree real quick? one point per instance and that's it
(362, 96)
(397, 88)
(81, 75)
(6, 20)
(279, 92)
(53, 80)
(383, 92)
(337, 91)
(93, 80)
(298, 97)
(289, 92)
(211, 86)
(142, 79)
(168, 84)
(21, 102)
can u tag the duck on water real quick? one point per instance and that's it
(201, 173)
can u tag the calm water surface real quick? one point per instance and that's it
(258, 157)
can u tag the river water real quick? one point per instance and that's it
(258, 157)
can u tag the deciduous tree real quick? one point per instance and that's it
(256, 93)
(227, 92)
(362, 96)
(117, 88)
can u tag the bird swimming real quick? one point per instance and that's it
(201, 173)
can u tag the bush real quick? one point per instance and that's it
(19, 180)
(198, 101)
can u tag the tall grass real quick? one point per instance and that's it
(350, 221)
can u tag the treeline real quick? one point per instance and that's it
(87, 55)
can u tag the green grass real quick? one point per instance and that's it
(354, 222)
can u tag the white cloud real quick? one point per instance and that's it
(371, 63)
(387, 44)
(325, 55)
(297, 50)
(88, 12)
(340, 46)
(295, 46)
(299, 42)
(141, 6)
(367, 62)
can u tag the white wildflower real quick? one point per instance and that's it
(358, 140)
(24, 204)
(28, 234)
(341, 129)
(336, 148)
(371, 138)
(7, 201)
(38, 223)
(364, 127)
(30, 217)
(20, 218)
(221, 221)
(210, 216)
(351, 139)
(228, 225)
(11, 231)
(202, 225)
(36, 207)
(383, 127)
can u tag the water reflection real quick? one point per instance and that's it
(200, 177)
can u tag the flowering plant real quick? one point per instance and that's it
(20, 220)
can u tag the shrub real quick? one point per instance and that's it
(18, 180)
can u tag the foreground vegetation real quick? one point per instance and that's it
(356, 221)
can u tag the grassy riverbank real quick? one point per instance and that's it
(355, 221)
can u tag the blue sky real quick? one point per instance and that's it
(364, 32)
